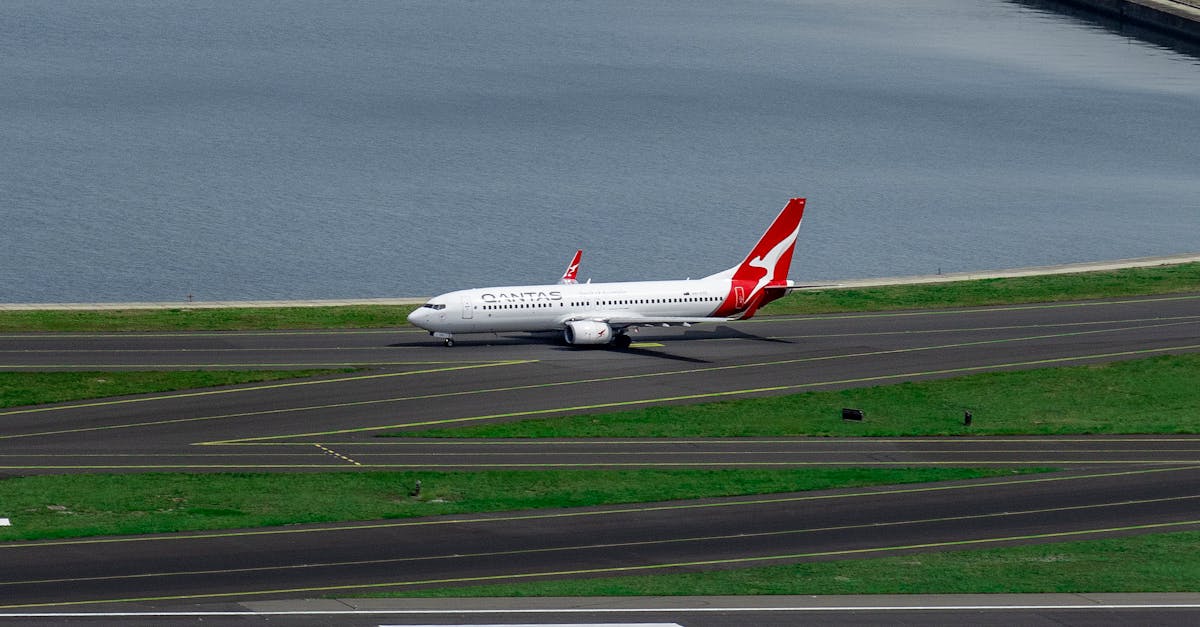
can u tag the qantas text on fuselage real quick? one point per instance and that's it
(602, 313)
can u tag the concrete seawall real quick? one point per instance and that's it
(1140, 262)
(1178, 18)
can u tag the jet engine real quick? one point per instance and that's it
(587, 332)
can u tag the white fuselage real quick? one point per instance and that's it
(550, 307)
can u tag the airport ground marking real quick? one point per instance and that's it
(327, 364)
(459, 365)
(635, 568)
(222, 391)
(676, 609)
(949, 439)
(595, 465)
(706, 395)
(768, 317)
(647, 344)
(67, 335)
(726, 502)
(336, 454)
(1015, 327)
(603, 465)
(710, 369)
(608, 545)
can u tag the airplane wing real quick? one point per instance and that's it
(625, 319)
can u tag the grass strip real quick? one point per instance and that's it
(1155, 395)
(1165, 279)
(1047, 288)
(218, 319)
(67, 506)
(1163, 562)
(35, 388)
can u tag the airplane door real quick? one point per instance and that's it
(468, 311)
(740, 294)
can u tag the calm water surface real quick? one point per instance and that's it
(292, 149)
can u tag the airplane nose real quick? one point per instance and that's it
(417, 317)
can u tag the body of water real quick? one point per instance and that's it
(305, 149)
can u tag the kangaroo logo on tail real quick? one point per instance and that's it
(568, 277)
(765, 267)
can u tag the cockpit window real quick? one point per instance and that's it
(435, 307)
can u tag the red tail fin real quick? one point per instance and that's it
(766, 266)
(572, 269)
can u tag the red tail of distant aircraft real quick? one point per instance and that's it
(570, 277)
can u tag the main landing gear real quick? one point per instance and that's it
(622, 340)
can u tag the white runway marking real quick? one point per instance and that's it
(640, 610)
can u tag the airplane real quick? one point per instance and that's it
(603, 313)
(568, 277)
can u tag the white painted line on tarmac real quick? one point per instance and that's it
(637, 610)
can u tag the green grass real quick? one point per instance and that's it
(1164, 562)
(1156, 395)
(1033, 289)
(64, 506)
(35, 388)
(183, 319)
(1166, 279)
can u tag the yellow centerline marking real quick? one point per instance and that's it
(802, 440)
(291, 364)
(1015, 327)
(204, 418)
(707, 395)
(981, 309)
(633, 568)
(551, 384)
(256, 388)
(601, 465)
(452, 519)
(662, 374)
(609, 545)
(647, 344)
(36, 335)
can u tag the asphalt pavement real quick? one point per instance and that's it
(1113, 485)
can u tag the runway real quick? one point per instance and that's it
(1114, 485)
